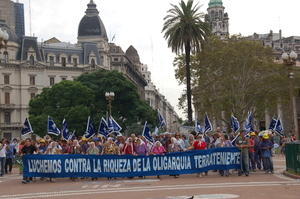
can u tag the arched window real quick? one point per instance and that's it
(93, 63)
(5, 56)
(31, 60)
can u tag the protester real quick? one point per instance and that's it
(3, 148)
(252, 165)
(243, 144)
(266, 151)
(28, 149)
(129, 147)
(174, 147)
(9, 157)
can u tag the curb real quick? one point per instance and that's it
(291, 175)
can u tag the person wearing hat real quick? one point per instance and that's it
(98, 145)
(243, 144)
(84, 145)
(42, 146)
(266, 151)
(252, 152)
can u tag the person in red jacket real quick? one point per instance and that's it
(200, 144)
(129, 147)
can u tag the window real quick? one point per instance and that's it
(6, 79)
(32, 95)
(7, 98)
(31, 60)
(52, 82)
(63, 61)
(32, 80)
(63, 79)
(5, 56)
(93, 63)
(7, 117)
(51, 59)
(116, 59)
(75, 62)
(7, 136)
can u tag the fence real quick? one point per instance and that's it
(293, 156)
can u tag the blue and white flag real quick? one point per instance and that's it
(234, 139)
(272, 124)
(161, 119)
(208, 126)
(65, 130)
(52, 128)
(235, 125)
(26, 128)
(155, 131)
(248, 124)
(72, 136)
(278, 126)
(198, 127)
(147, 134)
(89, 129)
(116, 126)
(109, 123)
(103, 128)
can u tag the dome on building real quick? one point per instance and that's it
(12, 35)
(215, 3)
(91, 24)
(133, 55)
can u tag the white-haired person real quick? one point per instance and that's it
(174, 147)
(200, 144)
(158, 149)
(52, 149)
(111, 148)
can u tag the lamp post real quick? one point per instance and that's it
(110, 96)
(290, 60)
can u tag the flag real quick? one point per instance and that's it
(65, 130)
(103, 128)
(198, 127)
(116, 126)
(89, 129)
(109, 123)
(235, 125)
(208, 126)
(161, 119)
(248, 124)
(26, 128)
(234, 139)
(113, 37)
(52, 128)
(155, 131)
(272, 124)
(72, 136)
(278, 126)
(147, 134)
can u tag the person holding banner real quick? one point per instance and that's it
(174, 147)
(28, 149)
(110, 147)
(129, 147)
(84, 145)
(198, 145)
(243, 144)
(53, 150)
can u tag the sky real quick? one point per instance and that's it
(139, 23)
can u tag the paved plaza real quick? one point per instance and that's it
(257, 185)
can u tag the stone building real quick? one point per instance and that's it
(28, 66)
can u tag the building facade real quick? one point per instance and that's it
(28, 66)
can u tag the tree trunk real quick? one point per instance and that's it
(188, 83)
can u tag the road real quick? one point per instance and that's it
(257, 185)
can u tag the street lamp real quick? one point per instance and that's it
(3, 39)
(110, 96)
(290, 60)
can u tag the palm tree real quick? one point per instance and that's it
(184, 29)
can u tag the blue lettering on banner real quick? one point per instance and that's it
(79, 165)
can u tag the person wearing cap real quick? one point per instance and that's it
(243, 144)
(98, 145)
(42, 147)
(84, 145)
(265, 146)
(252, 152)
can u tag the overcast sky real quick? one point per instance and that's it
(139, 23)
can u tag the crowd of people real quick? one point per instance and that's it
(256, 150)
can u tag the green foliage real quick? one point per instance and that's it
(185, 30)
(235, 76)
(76, 100)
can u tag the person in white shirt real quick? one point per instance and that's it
(3, 147)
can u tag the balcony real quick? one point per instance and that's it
(10, 125)
(7, 107)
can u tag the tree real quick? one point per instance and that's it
(184, 29)
(68, 100)
(77, 100)
(236, 76)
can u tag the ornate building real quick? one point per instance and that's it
(217, 18)
(28, 66)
